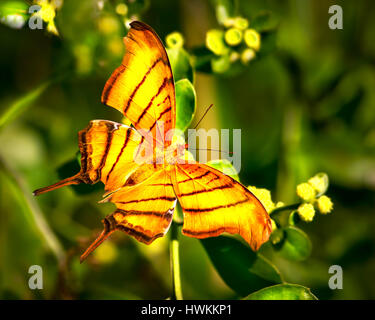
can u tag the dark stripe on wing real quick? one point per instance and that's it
(128, 133)
(141, 83)
(197, 178)
(200, 210)
(110, 131)
(165, 81)
(168, 214)
(149, 199)
(224, 186)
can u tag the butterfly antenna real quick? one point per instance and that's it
(66, 182)
(208, 109)
(229, 152)
(99, 240)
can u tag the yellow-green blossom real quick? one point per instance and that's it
(319, 182)
(233, 36)
(247, 55)
(252, 39)
(273, 225)
(234, 56)
(325, 204)
(241, 23)
(174, 40)
(229, 22)
(264, 196)
(306, 212)
(306, 192)
(47, 13)
(279, 204)
(215, 42)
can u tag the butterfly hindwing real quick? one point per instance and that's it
(145, 206)
(213, 203)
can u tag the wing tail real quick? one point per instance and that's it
(76, 179)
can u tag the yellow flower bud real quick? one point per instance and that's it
(46, 12)
(215, 42)
(264, 196)
(122, 9)
(174, 40)
(306, 212)
(319, 182)
(273, 225)
(247, 55)
(233, 36)
(229, 22)
(280, 204)
(325, 204)
(252, 39)
(234, 56)
(306, 192)
(241, 23)
(51, 27)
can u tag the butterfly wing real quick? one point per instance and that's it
(145, 206)
(142, 87)
(107, 154)
(213, 203)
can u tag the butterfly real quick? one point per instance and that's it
(144, 188)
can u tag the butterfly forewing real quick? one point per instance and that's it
(142, 86)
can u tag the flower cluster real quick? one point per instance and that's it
(47, 13)
(311, 193)
(235, 42)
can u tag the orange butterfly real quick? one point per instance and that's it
(145, 189)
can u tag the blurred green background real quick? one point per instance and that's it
(306, 106)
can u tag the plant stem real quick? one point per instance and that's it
(175, 263)
(283, 208)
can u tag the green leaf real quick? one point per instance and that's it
(21, 104)
(185, 104)
(265, 21)
(181, 64)
(296, 245)
(294, 218)
(224, 166)
(242, 269)
(283, 292)
(14, 14)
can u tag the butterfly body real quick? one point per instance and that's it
(145, 167)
